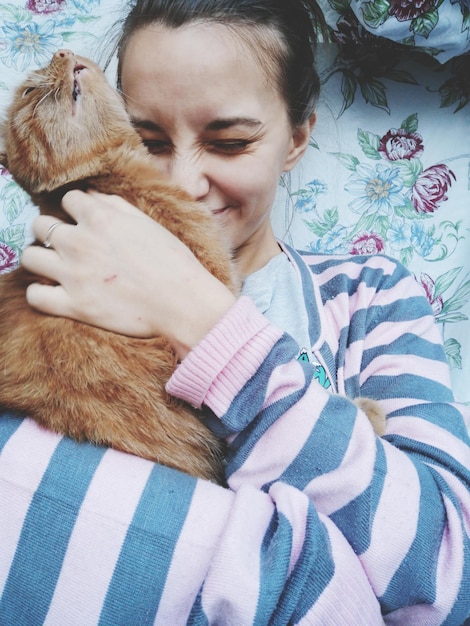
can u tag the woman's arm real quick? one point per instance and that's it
(91, 535)
(402, 502)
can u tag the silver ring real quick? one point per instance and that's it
(47, 241)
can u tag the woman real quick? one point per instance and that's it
(324, 523)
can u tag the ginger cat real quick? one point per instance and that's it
(68, 128)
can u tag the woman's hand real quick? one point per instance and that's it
(120, 270)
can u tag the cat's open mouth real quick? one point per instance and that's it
(77, 90)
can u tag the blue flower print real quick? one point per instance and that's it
(28, 44)
(307, 197)
(423, 242)
(333, 242)
(85, 6)
(399, 235)
(379, 190)
(304, 203)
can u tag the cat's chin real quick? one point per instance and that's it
(76, 92)
(77, 85)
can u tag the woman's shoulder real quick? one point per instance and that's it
(373, 268)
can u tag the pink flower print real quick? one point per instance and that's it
(400, 144)
(405, 10)
(44, 6)
(8, 258)
(431, 188)
(435, 300)
(366, 243)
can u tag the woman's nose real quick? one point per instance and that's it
(187, 173)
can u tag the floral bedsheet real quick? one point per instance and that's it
(388, 168)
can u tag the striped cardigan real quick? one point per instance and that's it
(324, 523)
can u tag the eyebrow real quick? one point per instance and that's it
(217, 124)
(223, 123)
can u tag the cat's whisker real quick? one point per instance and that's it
(46, 95)
(125, 96)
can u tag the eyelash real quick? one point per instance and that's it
(232, 147)
(154, 147)
(226, 147)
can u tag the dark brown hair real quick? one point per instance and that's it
(295, 25)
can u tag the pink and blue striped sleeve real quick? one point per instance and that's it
(402, 502)
(94, 536)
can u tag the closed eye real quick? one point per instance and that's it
(230, 147)
(27, 91)
(224, 147)
(156, 147)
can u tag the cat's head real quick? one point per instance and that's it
(63, 125)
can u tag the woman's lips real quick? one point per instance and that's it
(220, 211)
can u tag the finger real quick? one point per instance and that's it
(80, 205)
(49, 299)
(47, 243)
(72, 202)
(77, 204)
(45, 227)
(42, 262)
(114, 201)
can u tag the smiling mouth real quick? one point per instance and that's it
(220, 211)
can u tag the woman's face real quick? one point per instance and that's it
(215, 125)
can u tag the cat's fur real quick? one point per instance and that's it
(66, 128)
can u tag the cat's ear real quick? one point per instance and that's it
(3, 148)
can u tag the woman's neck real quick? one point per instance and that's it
(254, 254)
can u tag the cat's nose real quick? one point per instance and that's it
(63, 54)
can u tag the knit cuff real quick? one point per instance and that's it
(230, 354)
